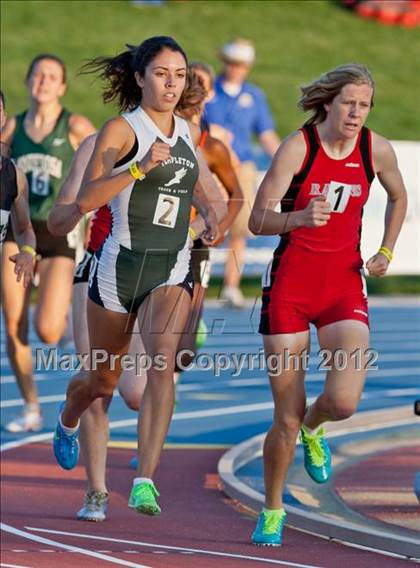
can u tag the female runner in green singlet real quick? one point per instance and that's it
(144, 166)
(41, 141)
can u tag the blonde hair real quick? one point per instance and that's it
(324, 89)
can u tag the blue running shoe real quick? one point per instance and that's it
(317, 455)
(134, 462)
(269, 528)
(66, 446)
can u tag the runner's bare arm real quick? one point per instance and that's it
(6, 136)
(223, 168)
(23, 231)
(287, 162)
(99, 187)
(386, 167)
(80, 128)
(65, 214)
(207, 196)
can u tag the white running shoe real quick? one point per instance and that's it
(28, 421)
(233, 296)
(94, 507)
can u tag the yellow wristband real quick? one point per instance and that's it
(136, 172)
(192, 233)
(29, 250)
(387, 253)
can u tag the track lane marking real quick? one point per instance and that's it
(177, 548)
(23, 534)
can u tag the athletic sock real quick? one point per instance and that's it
(309, 431)
(32, 407)
(66, 429)
(279, 511)
(138, 480)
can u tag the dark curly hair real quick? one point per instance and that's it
(118, 72)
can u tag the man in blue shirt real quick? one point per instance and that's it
(238, 111)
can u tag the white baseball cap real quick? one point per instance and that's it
(239, 50)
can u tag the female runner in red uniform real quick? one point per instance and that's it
(321, 174)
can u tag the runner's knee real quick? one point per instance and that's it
(17, 331)
(99, 407)
(342, 410)
(132, 400)
(102, 384)
(339, 409)
(48, 331)
(288, 426)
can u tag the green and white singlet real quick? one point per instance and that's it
(149, 245)
(46, 165)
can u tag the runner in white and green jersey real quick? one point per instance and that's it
(144, 166)
(149, 244)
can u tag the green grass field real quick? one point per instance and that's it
(295, 41)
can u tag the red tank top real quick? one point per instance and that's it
(204, 134)
(344, 182)
(101, 227)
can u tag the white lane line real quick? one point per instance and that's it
(212, 383)
(391, 392)
(33, 439)
(42, 399)
(3, 565)
(390, 357)
(372, 375)
(39, 378)
(85, 551)
(238, 409)
(227, 410)
(133, 421)
(177, 548)
(222, 411)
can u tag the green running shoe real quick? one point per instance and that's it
(268, 531)
(317, 455)
(143, 499)
(201, 335)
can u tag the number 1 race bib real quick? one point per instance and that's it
(338, 196)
